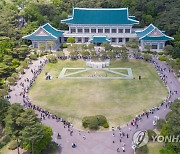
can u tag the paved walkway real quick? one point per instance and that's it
(99, 142)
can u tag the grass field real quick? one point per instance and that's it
(118, 100)
(154, 147)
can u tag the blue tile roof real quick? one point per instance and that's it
(99, 39)
(52, 33)
(52, 30)
(144, 34)
(156, 38)
(40, 38)
(100, 16)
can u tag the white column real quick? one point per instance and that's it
(76, 29)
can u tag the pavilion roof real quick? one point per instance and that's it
(99, 39)
(44, 32)
(111, 16)
(152, 33)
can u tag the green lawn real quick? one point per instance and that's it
(154, 147)
(118, 100)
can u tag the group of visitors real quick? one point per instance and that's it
(26, 84)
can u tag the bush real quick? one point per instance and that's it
(101, 119)
(150, 134)
(142, 150)
(13, 145)
(52, 59)
(11, 80)
(33, 57)
(93, 122)
(51, 148)
(4, 141)
(160, 53)
(160, 124)
(106, 125)
(64, 45)
(163, 58)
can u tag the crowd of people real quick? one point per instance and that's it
(26, 84)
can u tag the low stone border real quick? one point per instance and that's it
(128, 76)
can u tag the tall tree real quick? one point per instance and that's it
(13, 128)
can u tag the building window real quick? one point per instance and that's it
(73, 30)
(79, 40)
(154, 46)
(86, 30)
(107, 30)
(127, 39)
(93, 30)
(127, 30)
(100, 30)
(113, 30)
(120, 40)
(161, 45)
(86, 39)
(79, 30)
(35, 44)
(113, 40)
(120, 30)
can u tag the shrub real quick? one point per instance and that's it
(160, 124)
(101, 119)
(4, 141)
(71, 40)
(142, 150)
(13, 145)
(151, 134)
(15, 75)
(33, 56)
(163, 58)
(160, 53)
(106, 125)
(93, 122)
(52, 59)
(11, 80)
(64, 45)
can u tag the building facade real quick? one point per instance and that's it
(99, 25)
(87, 23)
(46, 37)
(154, 38)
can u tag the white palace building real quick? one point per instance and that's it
(99, 25)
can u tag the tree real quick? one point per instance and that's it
(168, 49)
(4, 106)
(90, 46)
(31, 136)
(42, 46)
(50, 44)
(12, 128)
(148, 48)
(71, 40)
(3, 92)
(172, 128)
(147, 57)
(124, 56)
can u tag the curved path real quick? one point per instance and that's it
(99, 142)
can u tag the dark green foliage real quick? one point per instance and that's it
(51, 148)
(172, 128)
(13, 145)
(4, 106)
(142, 150)
(151, 134)
(33, 57)
(160, 124)
(163, 58)
(4, 141)
(52, 59)
(93, 122)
